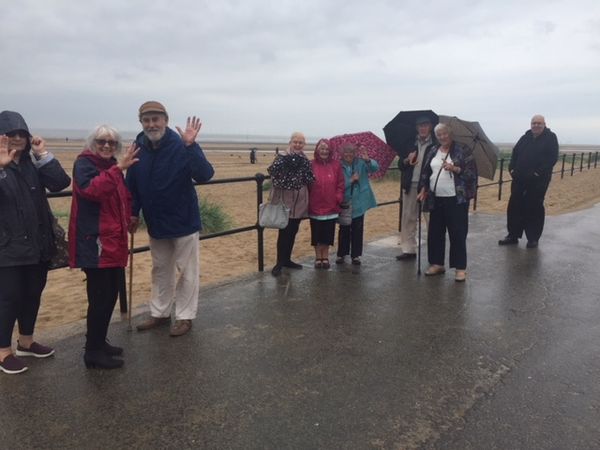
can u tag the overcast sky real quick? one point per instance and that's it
(324, 67)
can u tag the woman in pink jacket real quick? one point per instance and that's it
(326, 194)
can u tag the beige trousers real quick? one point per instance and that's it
(410, 215)
(175, 276)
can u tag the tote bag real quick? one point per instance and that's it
(273, 215)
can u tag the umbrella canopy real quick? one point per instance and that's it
(401, 131)
(376, 149)
(472, 136)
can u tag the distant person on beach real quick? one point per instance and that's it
(358, 197)
(291, 174)
(326, 195)
(410, 169)
(27, 241)
(253, 155)
(98, 244)
(162, 188)
(531, 163)
(448, 183)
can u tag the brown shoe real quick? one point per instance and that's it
(460, 276)
(180, 327)
(153, 322)
(434, 269)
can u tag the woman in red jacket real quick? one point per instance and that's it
(326, 195)
(100, 214)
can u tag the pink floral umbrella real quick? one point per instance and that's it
(377, 149)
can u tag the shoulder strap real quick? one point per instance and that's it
(439, 171)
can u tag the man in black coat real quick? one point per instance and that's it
(410, 167)
(530, 166)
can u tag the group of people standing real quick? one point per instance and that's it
(161, 167)
(320, 190)
(440, 177)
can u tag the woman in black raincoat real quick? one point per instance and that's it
(27, 241)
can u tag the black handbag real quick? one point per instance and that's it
(61, 257)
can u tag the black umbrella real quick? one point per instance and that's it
(401, 132)
(472, 136)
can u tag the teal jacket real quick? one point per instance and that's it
(362, 195)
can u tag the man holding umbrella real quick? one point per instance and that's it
(410, 166)
(530, 166)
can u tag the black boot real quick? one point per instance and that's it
(112, 350)
(98, 359)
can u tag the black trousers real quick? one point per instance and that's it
(350, 238)
(285, 241)
(102, 292)
(526, 212)
(449, 216)
(20, 293)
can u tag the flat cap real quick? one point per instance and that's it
(422, 119)
(152, 107)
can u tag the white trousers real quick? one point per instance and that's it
(175, 276)
(410, 215)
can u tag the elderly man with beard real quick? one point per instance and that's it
(410, 168)
(162, 188)
(530, 166)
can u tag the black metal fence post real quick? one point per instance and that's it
(581, 162)
(501, 179)
(260, 178)
(596, 160)
(573, 164)
(589, 160)
(562, 169)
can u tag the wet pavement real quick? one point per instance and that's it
(351, 358)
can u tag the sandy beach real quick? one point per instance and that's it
(225, 258)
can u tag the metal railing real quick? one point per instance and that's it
(260, 178)
(562, 161)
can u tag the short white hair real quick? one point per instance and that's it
(443, 126)
(297, 134)
(103, 130)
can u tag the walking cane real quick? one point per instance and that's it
(419, 241)
(129, 328)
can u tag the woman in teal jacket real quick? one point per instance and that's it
(359, 196)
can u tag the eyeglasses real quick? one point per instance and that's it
(18, 133)
(103, 142)
(537, 123)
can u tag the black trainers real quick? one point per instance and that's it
(508, 240)
(12, 365)
(98, 359)
(276, 271)
(406, 256)
(292, 265)
(532, 244)
(35, 349)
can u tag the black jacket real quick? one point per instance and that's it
(406, 170)
(26, 235)
(534, 157)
